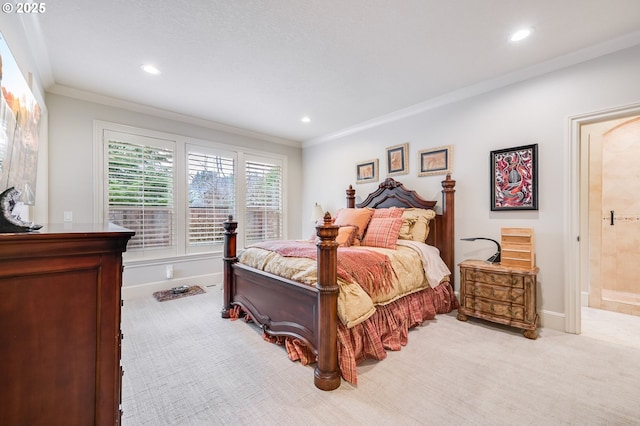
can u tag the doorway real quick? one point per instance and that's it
(614, 214)
(578, 256)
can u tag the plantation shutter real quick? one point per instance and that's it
(263, 215)
(175, 193)
(212, 196)
(141, 191)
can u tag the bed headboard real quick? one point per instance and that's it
(392, 193)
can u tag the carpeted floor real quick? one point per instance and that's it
(184, 365)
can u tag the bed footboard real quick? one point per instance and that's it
(283, 307)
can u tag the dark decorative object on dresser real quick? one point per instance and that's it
(8, 222)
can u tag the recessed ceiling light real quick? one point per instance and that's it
(520, 34)
(150, 69)
(305, 119)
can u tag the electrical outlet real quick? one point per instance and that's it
(68, 216)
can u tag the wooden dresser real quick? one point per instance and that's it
(60, 325)
(500, 294)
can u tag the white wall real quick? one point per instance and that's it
(534, 111)
(71, 139)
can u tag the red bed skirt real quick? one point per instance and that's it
(387, 329)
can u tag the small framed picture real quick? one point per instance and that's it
(367, 171)
(514, 178)
(398, 160)
(435, 161)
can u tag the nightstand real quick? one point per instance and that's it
(504, 295)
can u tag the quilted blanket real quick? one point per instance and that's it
(371, 269)
(357, 301)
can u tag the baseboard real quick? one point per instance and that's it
(147, 289)
(584, 298)
(552, 320)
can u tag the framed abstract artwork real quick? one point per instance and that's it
(367, 171)
(398, 160)
(435, 161)
(514, 178)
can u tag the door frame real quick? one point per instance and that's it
(576, 206)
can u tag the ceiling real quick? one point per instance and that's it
(261, 65)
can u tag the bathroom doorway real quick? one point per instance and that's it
(613, 213)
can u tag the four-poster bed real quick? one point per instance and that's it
(307, 315)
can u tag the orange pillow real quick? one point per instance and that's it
(354, 217)
(346, 235)
(383, 232)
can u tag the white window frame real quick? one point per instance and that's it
(144, 205)
(242, 154)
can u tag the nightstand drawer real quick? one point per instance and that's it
(506, 280)
(497, 293)
(491, 307)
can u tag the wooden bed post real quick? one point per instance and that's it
(326, 374)
(351, 197)
(229, 258)
(448, 207)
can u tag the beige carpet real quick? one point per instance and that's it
(184, 365)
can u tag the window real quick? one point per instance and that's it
(212, 195)
(176, 192)
(263, 203)
(140, 189)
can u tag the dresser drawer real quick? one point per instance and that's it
(506, 280)
(497, 293)
(493, 308)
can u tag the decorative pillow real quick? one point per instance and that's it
(382, 232)
(354, 217)
(346, 235)
(388, 212)
(415, 225)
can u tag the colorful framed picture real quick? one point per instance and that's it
(367, 171)
(514, 178)
(20, 118)
(435, 161)
(398, 160)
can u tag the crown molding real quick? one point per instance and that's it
(555, 64)
(84, 95)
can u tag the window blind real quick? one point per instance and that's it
(212, 197)
(263, 202)
(140, 193)
(176, 192)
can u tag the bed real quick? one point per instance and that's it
(307, 314)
